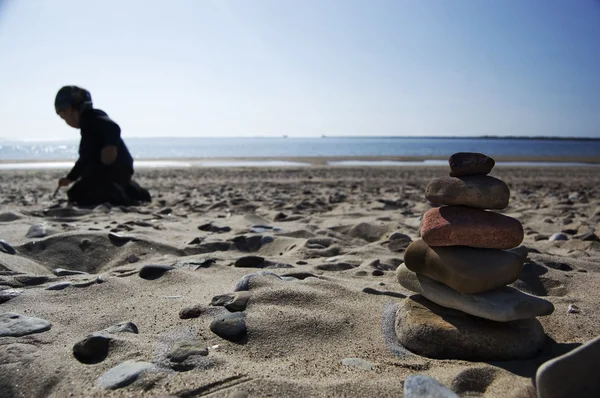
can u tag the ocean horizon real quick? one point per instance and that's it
(283, 147)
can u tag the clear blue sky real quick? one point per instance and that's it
(305, 67)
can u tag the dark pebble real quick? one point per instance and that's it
(151, 272)
(230, 326)
(92, 349)
(588, 237)
(123, 327)
(250, 262)
(6, 248)
(469, 163)
(193, 311)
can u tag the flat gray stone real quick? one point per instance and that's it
(184, 349)
(421, 386)
(574, 374)
(9, 294)
(6, 247)
(67, 272)
(558, 236)
(16, 325)
(59, 286)
(123, 327)
(503, 304)
(358, 363)
(36, 231)
(122, 375)
(8, 217)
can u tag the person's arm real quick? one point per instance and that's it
(76, 171)
(112, 135)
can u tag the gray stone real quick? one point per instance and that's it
(433, 331)
(92, 349)
(16, 325)
(230, 326)
(123, 327)
(122, 375)
(421, 386)
(232, 302)
(193, 311)
(59, 286)
(244, 283)
(36, 231)
(558, 236)
(358, 363)
(151, 272)
(574, 374)
(8, 217)
(31, 280)
(9, 294)
(67, 272)
(398, 241)
(504, 304)
(185, 349)
(588, 237)
(482, 192)
(6, 248)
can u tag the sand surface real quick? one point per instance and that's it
(340, 304)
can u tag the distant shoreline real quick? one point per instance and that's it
(325, 160)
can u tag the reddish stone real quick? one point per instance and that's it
(464, 226)
(468, 163)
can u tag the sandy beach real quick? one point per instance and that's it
(321, 309)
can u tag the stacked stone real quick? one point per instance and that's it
(461, 267)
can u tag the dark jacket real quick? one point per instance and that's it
(97, 132)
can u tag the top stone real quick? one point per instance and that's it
(469, 163)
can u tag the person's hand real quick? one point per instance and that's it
(108, 154)
(64, 182)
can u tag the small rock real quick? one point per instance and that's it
(574, 374)
(67, 272)
(122, 375)
(244, 283)
(36, 231)
(588, 237)
(230, 326)
(233, 302)
(377, 272)
(358, 363)
(193, 311)
(59, 286)
(398, 242)
(92, 349)
(421, 386)
(540, 237)
(569, 231)
(16, 325)
(132, 258)
(151, 272)
(31, 280)
(8, 217)
(166, 211)
(196, 241)
(6, 248)
(558, 236)
(249, 262)
(266, 239)
(9, 294)
(120, 240)
(573, 309)
(123, 327)
(185, 349)
(469, 163)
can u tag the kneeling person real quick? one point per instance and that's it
(103, 173)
